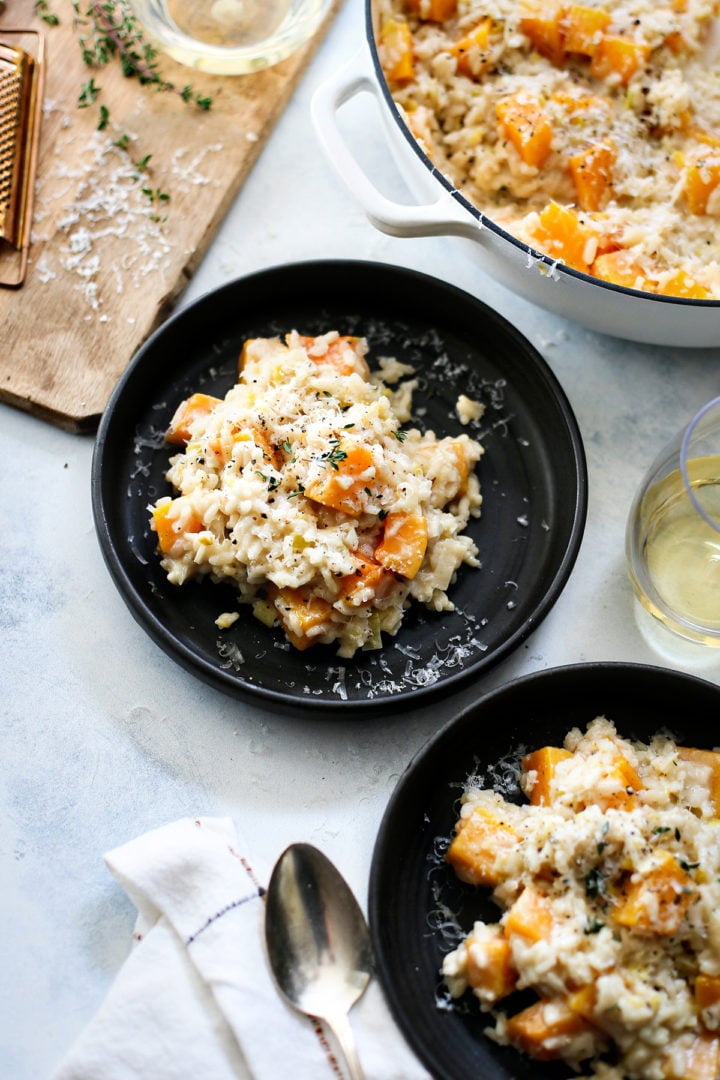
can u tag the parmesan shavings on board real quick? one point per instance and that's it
(112, 228)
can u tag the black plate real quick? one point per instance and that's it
(419, 910)
(533, 478)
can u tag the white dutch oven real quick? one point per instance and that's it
(598, 305)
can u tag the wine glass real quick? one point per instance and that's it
(673, 532)
(229, 37)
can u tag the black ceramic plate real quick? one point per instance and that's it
(419, 910)
(532, 476)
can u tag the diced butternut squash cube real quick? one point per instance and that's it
(710, 760)
(702, 1059)
(707, 991)
(432, 10)
(584, 103)
(606, 241)
(448, 483)
(543, 763)
(224, 443)
(300, 614)
(530, 916)
(701, 178)
(172, 520)
(404, 543)
(656, 902)
(269, 451)
(346, 472)
(561, 235)
(591, 171)
(370, 581)
(618, 58)
(584, 28)
(342, 353)
(527, 126)
(396, 51)
(583, 1001)
(196, 407)
(479, 840)
(619, 786)
(471, 51)
(681, 284)
(540, 21)
(462, 470)
(490, 967)
(676, 42)
(620, 268)
(546, 1029)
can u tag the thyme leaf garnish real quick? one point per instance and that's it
(88, 93)
(43, 12)
(595, 882)
(334, 456)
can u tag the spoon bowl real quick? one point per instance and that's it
(318, 942)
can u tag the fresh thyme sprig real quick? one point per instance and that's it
(107, 29)
(88, 93)
(334, 456)
(43, 12)
(157, 198)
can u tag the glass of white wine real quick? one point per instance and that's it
(229, 37)
(673, 532)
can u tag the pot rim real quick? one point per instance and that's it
(487, 222)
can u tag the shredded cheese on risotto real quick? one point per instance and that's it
(590, 131)
(608, 889)
(303, 489)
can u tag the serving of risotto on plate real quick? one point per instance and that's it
(607, 882)
(589, 131)
(303, 489)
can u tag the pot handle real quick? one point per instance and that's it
(441, 218)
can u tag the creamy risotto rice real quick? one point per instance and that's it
(607, 883)
(303, 490)
(590, 131)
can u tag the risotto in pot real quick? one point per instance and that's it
(302, 489)
(607, 881)
(589, 131)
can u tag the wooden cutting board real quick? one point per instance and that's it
(107, 260)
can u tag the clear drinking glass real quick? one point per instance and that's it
(673, 532)
(229, 37)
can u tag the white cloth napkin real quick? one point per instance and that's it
(195, 999)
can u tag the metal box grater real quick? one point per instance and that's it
(20, 103)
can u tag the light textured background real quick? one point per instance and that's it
(103, 736)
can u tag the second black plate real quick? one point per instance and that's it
(533, 479)
(419, 910)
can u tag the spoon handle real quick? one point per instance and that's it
(340, 1025)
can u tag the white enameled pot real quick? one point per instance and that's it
(443, 211)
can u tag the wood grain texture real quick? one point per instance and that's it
(103, 270)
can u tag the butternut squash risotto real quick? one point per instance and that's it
(302, 489)
(608, 887)
(589, 131)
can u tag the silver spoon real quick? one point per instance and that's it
(318, 942)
